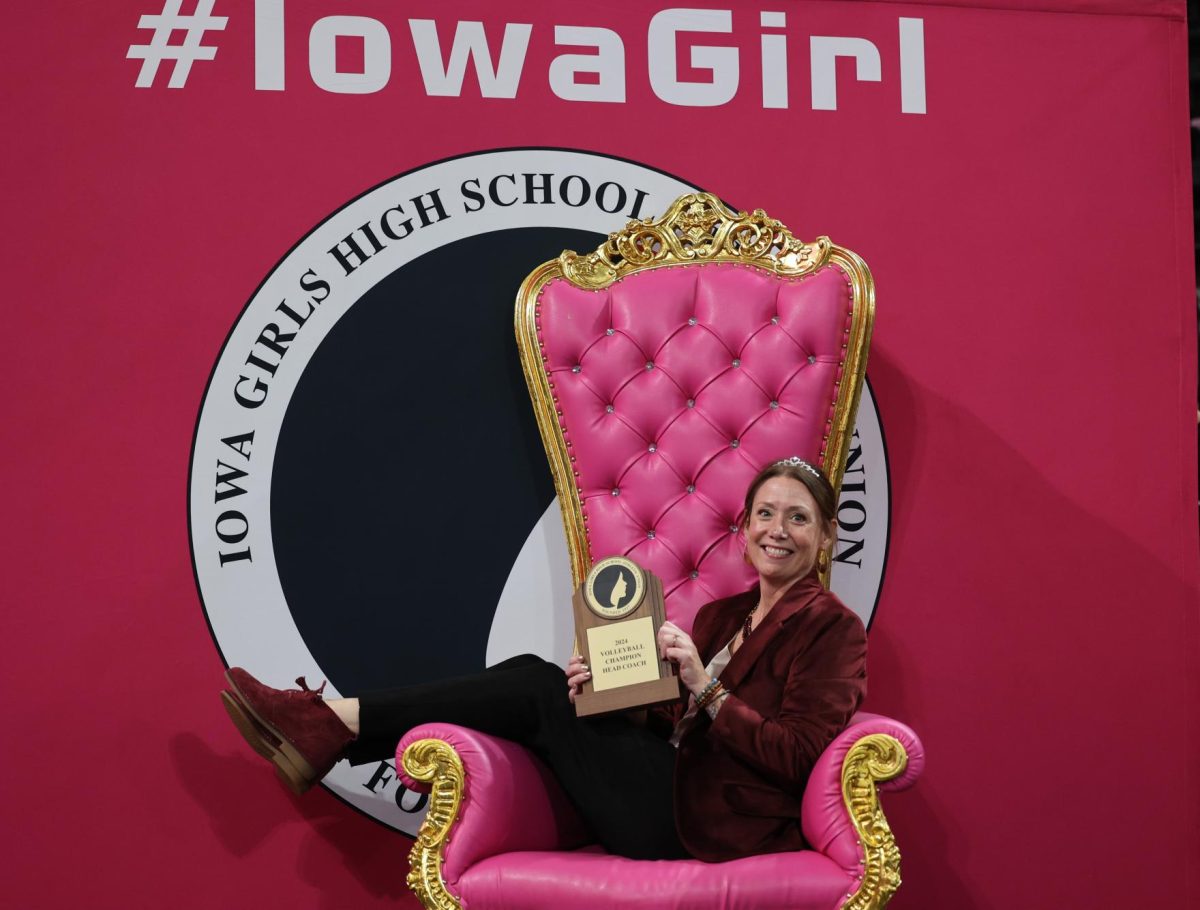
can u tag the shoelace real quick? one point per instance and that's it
(303, 684)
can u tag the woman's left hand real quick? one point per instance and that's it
(677, 646)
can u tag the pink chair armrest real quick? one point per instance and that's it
(823, 815)
(510, 803)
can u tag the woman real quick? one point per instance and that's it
(773, 675)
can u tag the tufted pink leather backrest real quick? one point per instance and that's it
(673, 386)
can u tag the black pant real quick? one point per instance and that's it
(618, 774)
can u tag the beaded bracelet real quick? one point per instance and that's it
(712, 684)
(710, 692)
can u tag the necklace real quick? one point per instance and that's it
(747, 626)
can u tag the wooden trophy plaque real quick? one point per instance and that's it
(618, 611)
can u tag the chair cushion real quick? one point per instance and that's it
(591, 880)
(674, 386)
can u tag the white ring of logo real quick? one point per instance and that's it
(243, 598)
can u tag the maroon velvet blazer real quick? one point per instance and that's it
(794, 685)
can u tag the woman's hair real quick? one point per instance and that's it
(796, 469)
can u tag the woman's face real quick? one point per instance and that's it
(784, 531)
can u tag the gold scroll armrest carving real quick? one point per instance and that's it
(434, 762)
(873, 759)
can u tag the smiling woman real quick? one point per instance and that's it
(789, 525)
(770, 676)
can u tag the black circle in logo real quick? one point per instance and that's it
(409, 469)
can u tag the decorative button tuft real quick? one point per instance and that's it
(649, 535)
(737, 362)
(653, 447)
(733, 529)
(812, 358)
(774, 320)
(692, 321)
(695, 573)
(691, 402)
(576, 368)
(691, 488)
(649, 364)
(734, 443)
(774, 404)
(610, 331)
(609, 408)
(616, 491)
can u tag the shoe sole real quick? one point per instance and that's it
(290, 766)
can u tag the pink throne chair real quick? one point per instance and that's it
(665, 369)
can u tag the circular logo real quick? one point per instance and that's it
(369, 501)
(614, 587)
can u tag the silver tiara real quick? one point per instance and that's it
(797, 462)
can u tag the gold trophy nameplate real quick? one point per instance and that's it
(618, 611)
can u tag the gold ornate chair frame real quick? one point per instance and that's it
(697, 228)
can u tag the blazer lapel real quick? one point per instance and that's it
(793, 601)
(717, 633)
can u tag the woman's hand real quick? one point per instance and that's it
(677, 646)
(577, 674)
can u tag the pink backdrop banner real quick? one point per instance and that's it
(1017, 176)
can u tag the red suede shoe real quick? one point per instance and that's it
(292, 728)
